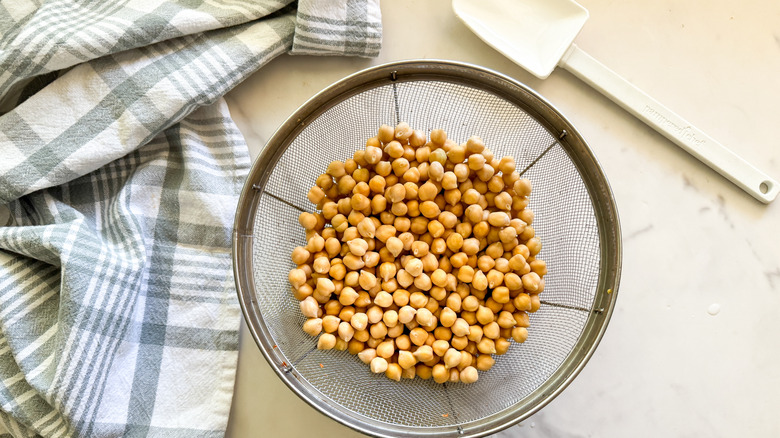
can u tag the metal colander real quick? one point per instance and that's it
(575, 217)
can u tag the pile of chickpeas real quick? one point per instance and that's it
(421, 256)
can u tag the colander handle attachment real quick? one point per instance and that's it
(672, 126)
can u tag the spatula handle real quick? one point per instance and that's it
(671, 125)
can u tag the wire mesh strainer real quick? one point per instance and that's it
(575, 216)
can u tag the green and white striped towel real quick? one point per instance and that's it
(120, 170)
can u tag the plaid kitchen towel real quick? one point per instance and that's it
(120, 169)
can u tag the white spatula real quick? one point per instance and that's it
(538, 36)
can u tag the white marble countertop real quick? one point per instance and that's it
(669, 365)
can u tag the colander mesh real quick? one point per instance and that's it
(564, 220)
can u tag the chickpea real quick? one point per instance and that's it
(486, 172)
(522, 302)
(506, 320)
(485, 362)
(424, 317)
(345, 331)
(367, 355)
(531, 281)
(326, 341)
(519, 334)
(313, 326)
(383, 299)
(522, 187)
(435, 168)
(452, 358)
(539, 267)
(479, 281)
(429, 209)
(378, 365)
(449, 181)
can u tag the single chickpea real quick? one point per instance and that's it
(330, 323)
(374, 314)
(479, 281)
(418, 336)
(474, 214)
(378, 331)
(513, 281)
(506, 320)
(310, 307)
(378, 365)
(452, 358)
(498, 219)
(394, 149)
(357, 247)
(460, 327)
(438, 246)
(461, 172)
(522, 302)
(345, 331)
(383, 299)
(456, 154)
(326, 341)
(313, 326)
(435, 168)
(534, 245)
(384, 232)
(522, 187)
(539, 267)
(430, 209)
(486, 346)
(527, 216)
(348, 296)
(424, 317)
(373, 155)
(359, 321)
(475, 333)
(503, 201)
(362, 335)
(449, 181)
(297, 277)
(531, 281)
(336, 169)
(502, 346)
(401, 299)
(470, 246)
(360, 155)
(424, 353)
(519, 334)
(387, 271)
(484, 315)
(354, 346)
(440, 347)
(455, 242)
(385, 134)
(485, 173)
(452, 197)
(469, 375)
(440, 373)
(506, 165)
(476, 162)
(366, 228)
(406, 359)
(485, 362)
(491, 330)
(501, 294)
(475, 145)
(300, 255)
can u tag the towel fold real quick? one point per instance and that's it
(121, 168)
